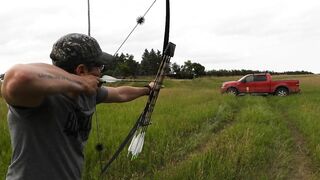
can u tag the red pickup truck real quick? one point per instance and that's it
(260, 84)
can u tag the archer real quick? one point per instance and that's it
(51, 108)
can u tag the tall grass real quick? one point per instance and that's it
(303, 111)
(197, 133)
(254, 147)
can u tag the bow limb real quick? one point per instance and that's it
(167, 27)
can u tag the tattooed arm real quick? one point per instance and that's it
(27, 84)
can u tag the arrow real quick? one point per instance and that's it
(110, 79)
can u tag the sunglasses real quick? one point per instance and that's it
(93, 65)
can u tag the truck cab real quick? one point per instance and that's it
(257, 83)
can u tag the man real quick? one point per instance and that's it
(51, 107)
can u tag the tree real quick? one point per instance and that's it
(187, 71)
(150, 62)
(198, 69)
(125, 66)
(175, 68)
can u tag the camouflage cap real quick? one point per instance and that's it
(74, 49)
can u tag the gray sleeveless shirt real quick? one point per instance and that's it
(48, 141)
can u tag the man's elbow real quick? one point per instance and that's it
(15, 81)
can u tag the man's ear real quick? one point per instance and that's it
(81, 69)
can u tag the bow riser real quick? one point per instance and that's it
(155, 92)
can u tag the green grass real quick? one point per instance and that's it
(5, 148)
(255, 146)
(303, 111)
(197, 133)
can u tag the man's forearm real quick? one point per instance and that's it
(27, 84)
(125, 93)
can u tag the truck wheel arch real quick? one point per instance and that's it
(281, 91)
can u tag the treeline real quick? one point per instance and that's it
(223, 72)
(125, 66)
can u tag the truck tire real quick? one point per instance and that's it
(232, 91)
(282, 92)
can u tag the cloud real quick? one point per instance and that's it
(217, 34)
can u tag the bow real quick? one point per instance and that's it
(137, 133)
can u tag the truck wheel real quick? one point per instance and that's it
(233, 91)
(282, 92)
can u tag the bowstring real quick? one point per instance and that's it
(99, 146)
(134, 28)
(99, 149)
(89, 22)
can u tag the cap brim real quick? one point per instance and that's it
(104, 59)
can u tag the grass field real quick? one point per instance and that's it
(197, 133)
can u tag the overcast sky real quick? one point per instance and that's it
(276, 35)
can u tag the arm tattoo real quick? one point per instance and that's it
(51, 77)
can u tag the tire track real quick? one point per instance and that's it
(301, 167)
(216, 126)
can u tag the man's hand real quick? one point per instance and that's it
(152, 85)
(90, 84)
